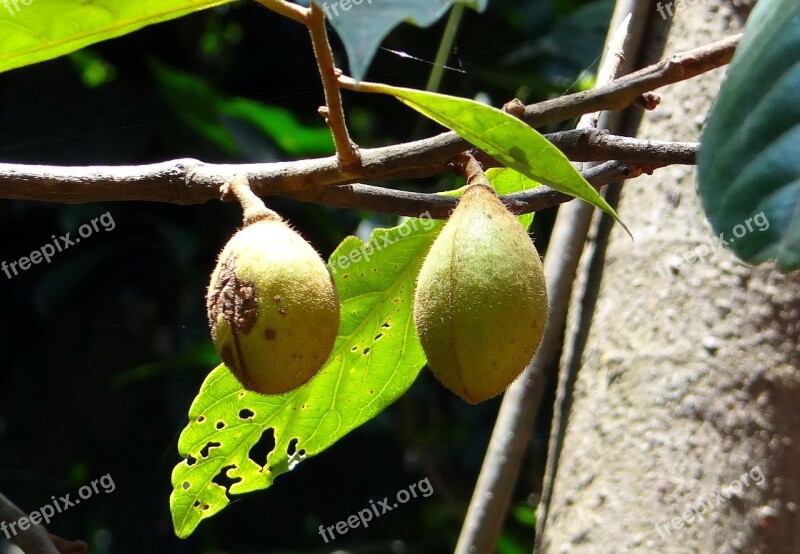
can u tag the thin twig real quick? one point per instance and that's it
(627, 90)
(620, 93)
(333, 112)
(287, 9)
(314, 19)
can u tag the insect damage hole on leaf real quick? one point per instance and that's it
(246, 413)
(263, 447)
(224, 480)
(207, 448)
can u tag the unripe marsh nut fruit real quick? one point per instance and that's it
(272, 308)
(480, 304)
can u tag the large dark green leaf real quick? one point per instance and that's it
(363, 24)
(749, 160)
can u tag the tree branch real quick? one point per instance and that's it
(188, 181)
(627, 90)
(413, 204)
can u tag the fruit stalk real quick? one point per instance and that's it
(253, 207)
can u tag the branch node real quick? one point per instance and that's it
(514, 107)
(649, 101)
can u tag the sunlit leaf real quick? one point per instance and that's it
(510, 181)
(502, 136)
(32, 31)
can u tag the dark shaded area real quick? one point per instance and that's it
(105, 346)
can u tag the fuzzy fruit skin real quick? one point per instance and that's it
(272, 308)
(480, 304)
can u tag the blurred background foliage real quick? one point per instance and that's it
(105, 347)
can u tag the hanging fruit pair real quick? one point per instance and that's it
(272, 306)
(480, 304)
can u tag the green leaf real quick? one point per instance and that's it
(214, 116)
(502, 136)
(196, 103)
(510, 181)
(375, 359)
(281, 126)
(748, 175)
(32, 31)
(363, 24)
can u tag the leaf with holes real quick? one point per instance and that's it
(748, 175)
(32, 32)
(375, 359)
(363, 24)
(504, 137)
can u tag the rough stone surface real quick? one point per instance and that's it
(683, 435)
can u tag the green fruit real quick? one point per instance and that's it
(480, 304)
(272, 308)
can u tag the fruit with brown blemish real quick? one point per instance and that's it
(272, 307)
(480, 304)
